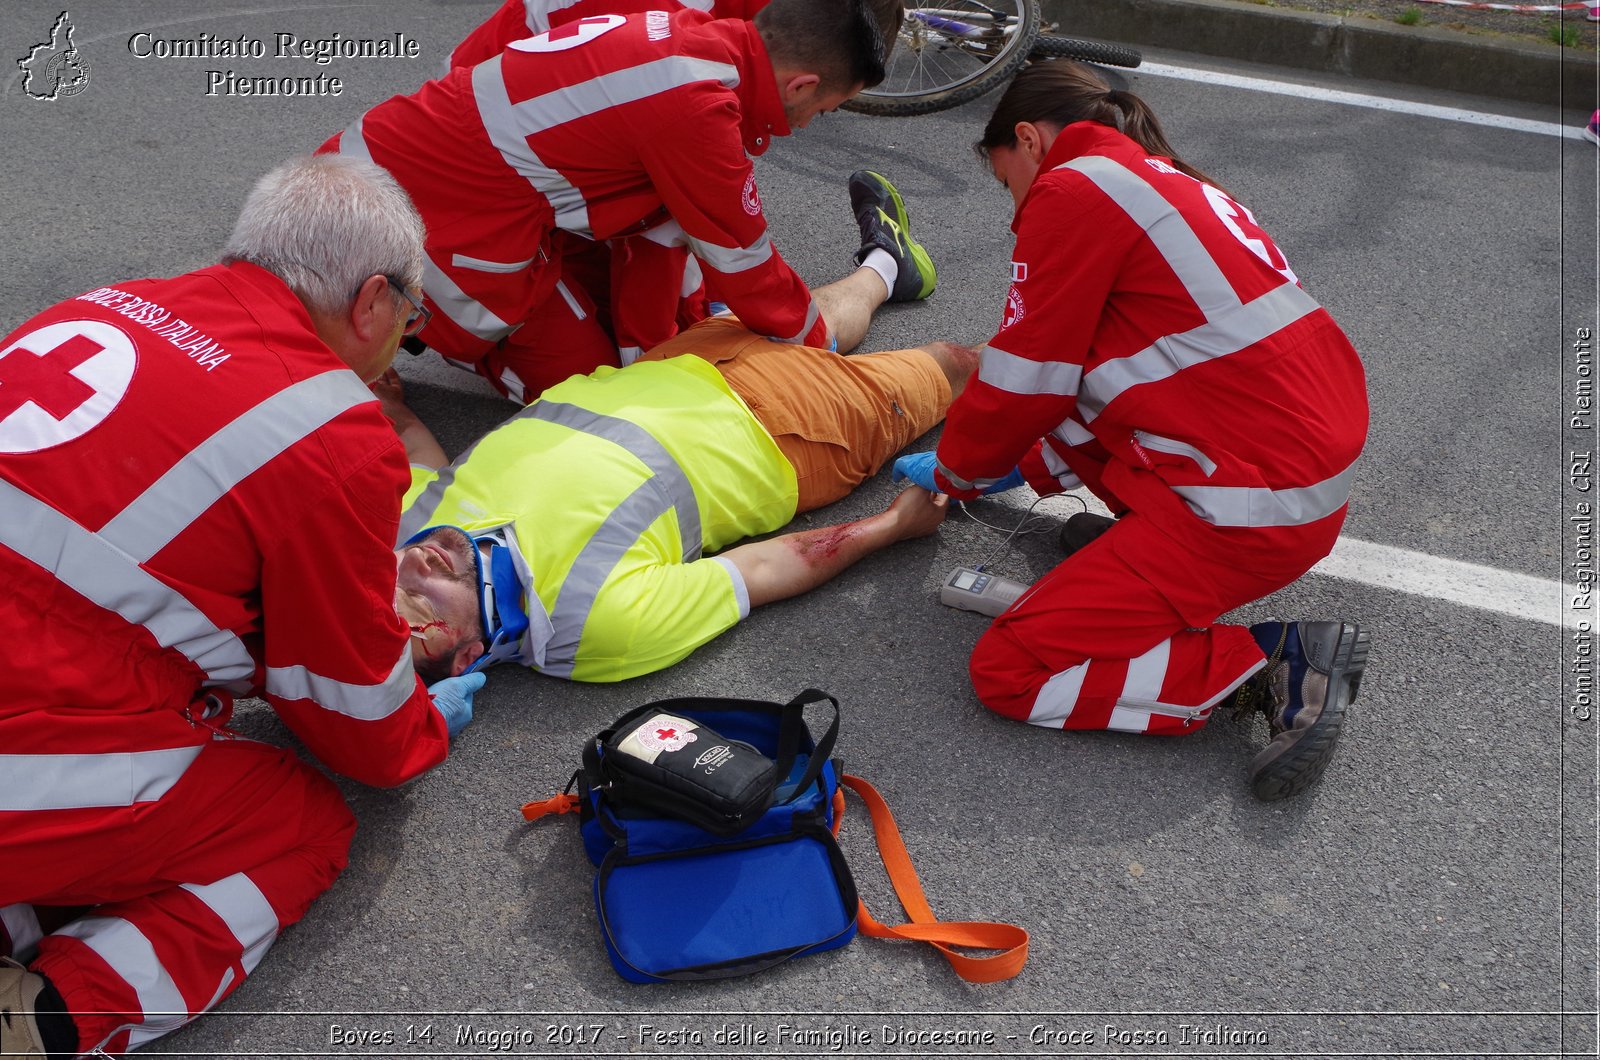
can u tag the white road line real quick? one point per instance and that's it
(1359, 99)
(1417, 573)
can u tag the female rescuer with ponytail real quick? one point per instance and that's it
(1157, 348)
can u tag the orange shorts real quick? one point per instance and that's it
(837, 419)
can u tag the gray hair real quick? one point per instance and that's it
(324, 224)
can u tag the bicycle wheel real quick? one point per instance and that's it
(1088, 51)
(948, 54)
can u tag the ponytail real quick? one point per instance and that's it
(1060, 92)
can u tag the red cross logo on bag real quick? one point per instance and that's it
(60, 382)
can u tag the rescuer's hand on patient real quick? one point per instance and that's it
(918, 467)
(917, 513)
(452, 698)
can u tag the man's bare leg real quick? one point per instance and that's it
(848, 304)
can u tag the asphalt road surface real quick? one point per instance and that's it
(1435, 893)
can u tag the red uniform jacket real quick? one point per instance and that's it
(1158, 342)
(196, 495)
(604, 127)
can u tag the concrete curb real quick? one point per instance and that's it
(1356, 47)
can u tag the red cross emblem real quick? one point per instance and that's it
(60, 381)
(46, 379)
(570, 35)
(666, 734)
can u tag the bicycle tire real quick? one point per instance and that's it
(1088, 51)
(908, 89)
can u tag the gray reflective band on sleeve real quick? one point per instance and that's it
(1162, 444)
(741, 591)
(362, 702)
(212, 469)
(812, 315)
(956, 480)
(1259, 506)
(108, 577)
(669, 477)
(734, 259)
(1167, 356)
(1165, 227)
(82, 781)
(594, 564)
(1018, 375)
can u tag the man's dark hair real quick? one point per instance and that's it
(844, 42)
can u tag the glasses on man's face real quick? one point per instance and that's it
(420, 314)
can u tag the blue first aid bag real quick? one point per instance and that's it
(677, 901)
(703, 876)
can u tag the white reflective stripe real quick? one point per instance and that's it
(516, 389)
(629, 354)
(1230, 325)
(208, 472)
(240, 904)
(1260, 506)
(730, 260)
(133, 959)
(1058, 468)
(1018, 375)
(572, 303)
(951, 477)
(362, 702)
(20, 922)
(962, 484)
(667, 234)
(501, 122)
(615, 89)
(464, 261)
(81, 781)
(445, 294)
(1165, 227)
(1146, 673)
(692, 277)
(1058, 697)
(1163, 444)
(1171, 354)
(471, 315)
(740, 590)
(106, 576)
(538, 13)
(1073, 433)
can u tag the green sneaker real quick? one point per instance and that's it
(885, 225)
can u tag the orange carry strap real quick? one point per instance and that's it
(565, 803)
(1010, 940)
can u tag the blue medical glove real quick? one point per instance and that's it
(918, 467)
(452, 698)
(1010, 482)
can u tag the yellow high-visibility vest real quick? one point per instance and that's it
(614, 484)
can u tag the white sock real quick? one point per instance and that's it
(882, 262)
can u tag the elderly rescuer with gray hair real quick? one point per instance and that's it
(178, 460)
